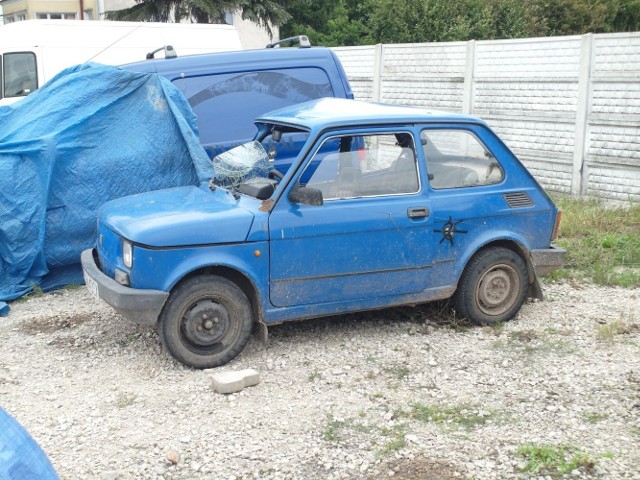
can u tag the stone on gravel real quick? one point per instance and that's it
(173, 457)
(233, 382)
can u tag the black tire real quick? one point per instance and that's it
(493, 287)
(206, 321)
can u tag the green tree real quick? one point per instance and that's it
(351, 22)
(326, 22)
(266, 13)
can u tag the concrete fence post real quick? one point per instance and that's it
(377, 74)
(579, 174)
(469, 78)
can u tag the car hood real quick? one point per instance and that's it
(178, 217)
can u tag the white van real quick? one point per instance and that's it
(33, 51)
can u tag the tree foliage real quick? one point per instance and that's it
(351, 22)
(361, 22)
(266, 13)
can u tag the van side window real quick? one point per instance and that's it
(242, 96)
(19, 75)
(457, 158)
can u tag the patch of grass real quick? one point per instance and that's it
(397, 440)
(332, 429)
(36, 291)
(609, 331)
(398, 371)
(602, 243)
(465, 416)
(554, 460)
(335, 428)
(314, 375)
(125, 399)
(128, 339)
(594, 417)
(531, 342)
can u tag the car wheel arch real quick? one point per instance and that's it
(236, 276)
(509, 243)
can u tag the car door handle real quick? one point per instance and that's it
(418, 212)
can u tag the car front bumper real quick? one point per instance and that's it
(547, 260)
(139, 306)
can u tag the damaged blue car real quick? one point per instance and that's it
(384, 205)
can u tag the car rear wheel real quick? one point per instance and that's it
(206, 322)
(493, 286)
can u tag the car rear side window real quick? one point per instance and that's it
(457, 158)
(231, 101)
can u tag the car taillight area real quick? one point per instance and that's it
(556, 227)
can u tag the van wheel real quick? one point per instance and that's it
(206, 321)
(493, 287)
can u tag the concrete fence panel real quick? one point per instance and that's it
(569, 107)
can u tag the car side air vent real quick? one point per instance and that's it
(518, 200)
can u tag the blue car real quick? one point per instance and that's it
(384, 205)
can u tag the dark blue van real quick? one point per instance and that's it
(227, 91)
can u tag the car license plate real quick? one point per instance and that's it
(92, 285)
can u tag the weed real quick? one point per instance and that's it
(36, 291)
(124, 400)
(332, 430)
(594, 417)
(398, 371)
(530, 342)
(465, 416)
(609, 331)
(554, 460)
(128, 339)
(314, 375)
(397, 440)
(603, 244)
(334, 427)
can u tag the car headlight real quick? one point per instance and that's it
(127, 253)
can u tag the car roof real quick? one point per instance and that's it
(334, 112)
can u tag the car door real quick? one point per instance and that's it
(463, 177)
(367, 239)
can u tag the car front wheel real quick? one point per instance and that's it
(206, 322)
(493, 286)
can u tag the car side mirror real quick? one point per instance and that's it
(306, 196)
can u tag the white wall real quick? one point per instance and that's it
(569, 107)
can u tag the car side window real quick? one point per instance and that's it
(364, 166)
(457, 158)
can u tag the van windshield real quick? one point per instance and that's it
(19, 76)
(235, 166)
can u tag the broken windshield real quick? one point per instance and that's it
(235, 166)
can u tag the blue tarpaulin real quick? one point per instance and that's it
(91, 134)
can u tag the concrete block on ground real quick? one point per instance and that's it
(233, 382)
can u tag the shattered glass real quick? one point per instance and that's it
(240, 164)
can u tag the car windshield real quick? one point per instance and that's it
(242, 163)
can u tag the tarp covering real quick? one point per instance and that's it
(91, 134)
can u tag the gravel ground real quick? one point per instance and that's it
(400, 393)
